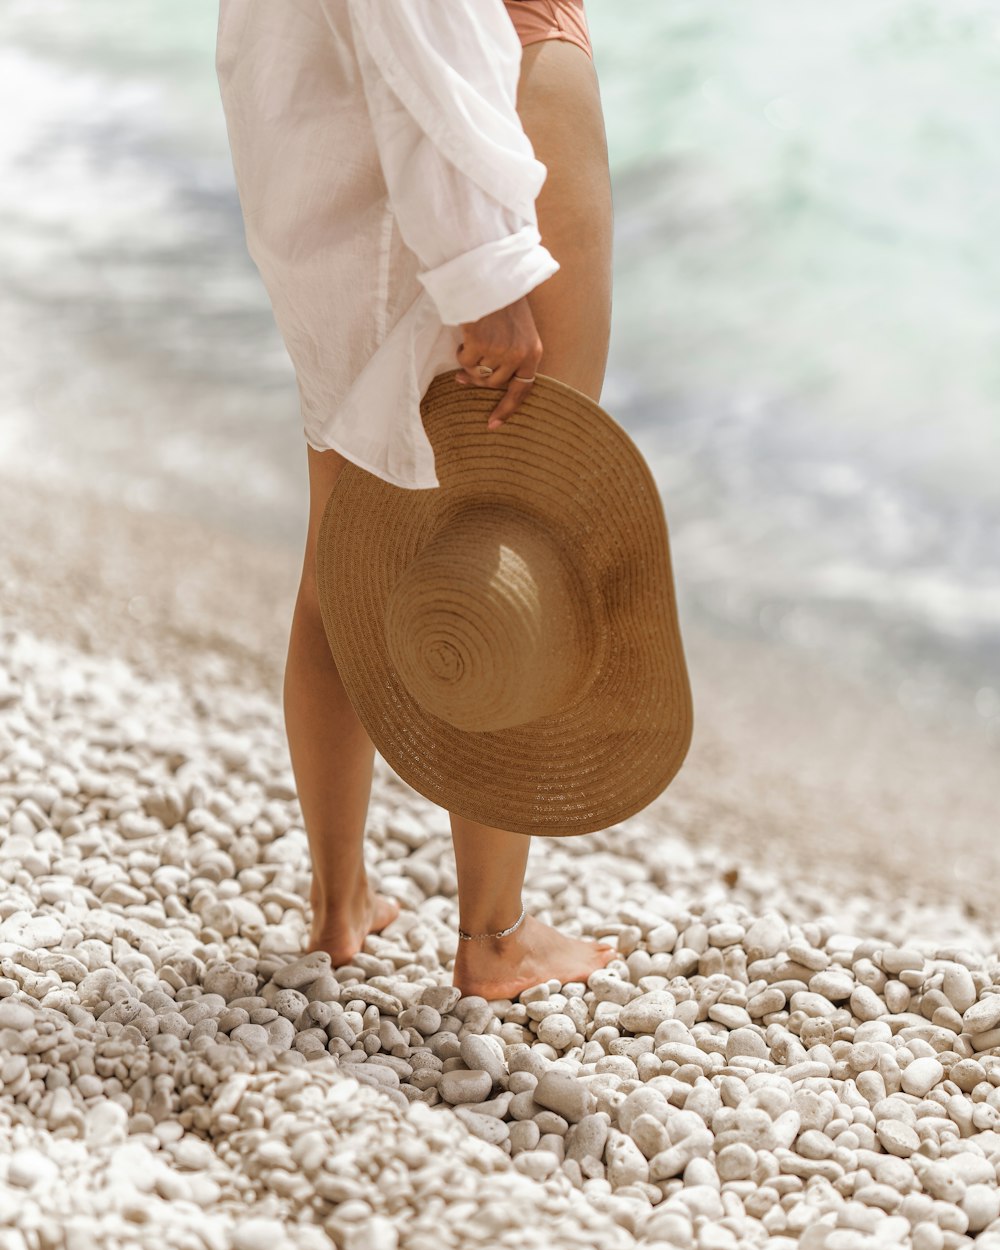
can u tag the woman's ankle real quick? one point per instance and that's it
(339, 897)
(491, 924)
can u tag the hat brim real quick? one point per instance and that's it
(565, 460)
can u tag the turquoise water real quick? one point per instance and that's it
(806, 328)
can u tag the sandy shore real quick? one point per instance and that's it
(799, 1044)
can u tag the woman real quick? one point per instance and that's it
(377, 148)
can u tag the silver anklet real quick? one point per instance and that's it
(478, 937)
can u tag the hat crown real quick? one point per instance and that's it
(488, 625)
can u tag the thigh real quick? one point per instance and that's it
(559, 103)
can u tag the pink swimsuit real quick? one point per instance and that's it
(550, 19)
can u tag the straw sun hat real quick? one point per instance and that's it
(510, 639)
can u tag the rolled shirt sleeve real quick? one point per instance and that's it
(440, 80)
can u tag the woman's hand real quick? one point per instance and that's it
(508, 342)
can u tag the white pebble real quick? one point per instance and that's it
(29, 1167)
(921, 1075)
(259, 1234)
(897, 1138)
(983, 1016)
(460, 1085)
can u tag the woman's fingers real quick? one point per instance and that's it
(507, 341)
(504, 378)
(516, 392)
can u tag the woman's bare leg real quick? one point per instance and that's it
(560, 109)
(332, 758)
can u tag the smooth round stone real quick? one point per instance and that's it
(230, 983)
(423, 1017)
(896, 1173)
(927, 1236)
(252, 1036)
(813, 1144)
(606, 986)
(304, 971)
(983, 1016)
(289, 1003)
(812, 1004)
(816, 1031)
(198, 1010)
(29, 1167)
(729, 1014)
(754, 1126)
(192, 1152)
(895, 1108)
(766, 936)
(671, 1162)
(940, 1181)
(537, 1164)
(973, 1169)
(325, 989)
(967, 1074)
(662, 938)
(524, 1135)
(896, 959)
(644, 1014)
(14, 1066)
(233, 1016)
(460, 1086)
(871, 1085)
(863, 1057)
(280, 1033)
(958, 987)
(897, 1138)
(32, 932)
(646, 1100)
(486, 1127)
(866, 1004)
(622, 1066)
(771, 999)
(626, 1163)
(982, 1205)
(123, 895)
(833, 983)
(444, 997)
(483, 1053)
(556, 1030)
(248, 914)
(921, 1075)
(735, 1162)
(14, 1015)
(565, 1095)
(259, 1234)
(649, 1134)
(588, 1136)
(897, 996)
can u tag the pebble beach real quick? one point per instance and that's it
(798, 1044)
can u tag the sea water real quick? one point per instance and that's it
(806, 329)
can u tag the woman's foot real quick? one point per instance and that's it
(341, 930)
(534, 952)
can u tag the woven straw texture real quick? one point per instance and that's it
(531, 592)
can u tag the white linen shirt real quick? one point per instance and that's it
(388, 191)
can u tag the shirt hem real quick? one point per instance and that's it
(331, 445)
